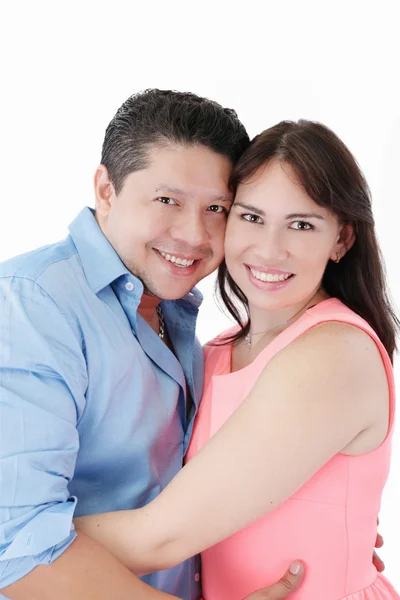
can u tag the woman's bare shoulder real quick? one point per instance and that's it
(332, 351)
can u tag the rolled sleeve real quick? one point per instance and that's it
(42, 394)
(14, 569)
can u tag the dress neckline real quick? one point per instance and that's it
(227, 358)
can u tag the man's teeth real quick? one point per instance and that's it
(268, 276)
(181, 262)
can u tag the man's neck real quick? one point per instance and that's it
(147, 307)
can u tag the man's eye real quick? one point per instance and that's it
(165, 200)
(301, 225)
(217, 209)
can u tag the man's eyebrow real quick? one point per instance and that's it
(223, 199)
(167, 188)
(173, 190)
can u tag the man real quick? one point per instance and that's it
(99, 381)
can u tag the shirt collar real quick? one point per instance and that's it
(100, 262)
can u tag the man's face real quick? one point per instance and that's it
(168, 221)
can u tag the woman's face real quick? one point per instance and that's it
(278, 240)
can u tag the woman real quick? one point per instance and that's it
(298, 398)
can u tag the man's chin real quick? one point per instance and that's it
(148, 292)
(177, 296)
(169, 288)
(166, 290)
(170, 292)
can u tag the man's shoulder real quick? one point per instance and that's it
(42, 263)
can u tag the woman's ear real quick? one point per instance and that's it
(345, 240)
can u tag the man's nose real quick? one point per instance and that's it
(191, 231)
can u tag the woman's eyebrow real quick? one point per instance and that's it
(304, 216)
(261, 213)
(258, 211)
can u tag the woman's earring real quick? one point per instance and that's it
(337, 258)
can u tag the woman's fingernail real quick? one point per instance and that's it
(295, 568)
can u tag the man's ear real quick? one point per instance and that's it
(104, 191)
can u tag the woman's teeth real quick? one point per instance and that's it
(268, 276)
(181, 262)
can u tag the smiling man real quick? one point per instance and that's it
(101, 375)
(167, 223)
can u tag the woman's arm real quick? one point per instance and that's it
(311, 401)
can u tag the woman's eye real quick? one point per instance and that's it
(165, 200)
(301, 225)
(251, 218)
(215, 208)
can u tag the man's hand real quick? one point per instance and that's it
(290, 581)
(378, 562)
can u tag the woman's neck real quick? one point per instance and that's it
(276, 320)
(273, 322)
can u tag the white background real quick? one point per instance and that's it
(66, 68)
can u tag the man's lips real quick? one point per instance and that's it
(178, 266)
(182, 255)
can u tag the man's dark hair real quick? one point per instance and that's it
(158, 117)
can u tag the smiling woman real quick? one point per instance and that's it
(310, 205)
(282, 242)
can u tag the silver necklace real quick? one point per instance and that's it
(270, 329)
(160, 322)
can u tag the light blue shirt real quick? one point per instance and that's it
(92, 402)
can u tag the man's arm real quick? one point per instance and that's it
(85, 571)
(42, 395)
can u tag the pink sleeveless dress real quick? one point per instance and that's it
(330, 523)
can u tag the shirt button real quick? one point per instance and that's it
(197, 577)
(129, 286)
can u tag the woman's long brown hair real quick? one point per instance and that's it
(329, 174)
